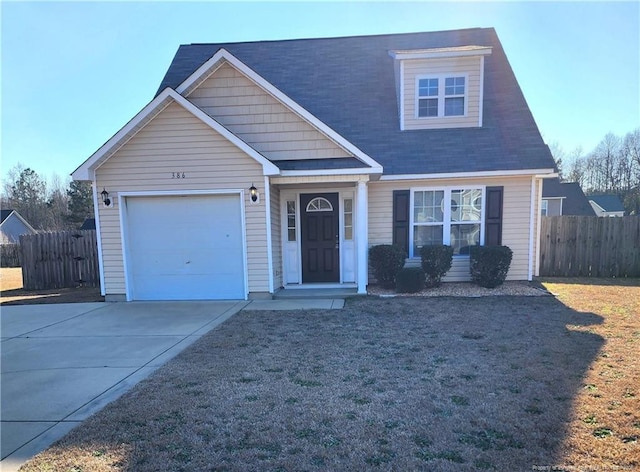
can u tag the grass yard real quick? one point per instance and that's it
(12, 293)
(604, 428)
(10, 278)
(438, 384)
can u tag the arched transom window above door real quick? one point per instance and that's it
(319, 204)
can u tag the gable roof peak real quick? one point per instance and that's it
(148, 113)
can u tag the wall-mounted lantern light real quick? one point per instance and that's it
(105, 197)
(253, 193)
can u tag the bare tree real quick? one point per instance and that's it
(577, 167)
(559, 156)
(57, 204)
(605, 164)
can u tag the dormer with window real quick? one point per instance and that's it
(440, 88)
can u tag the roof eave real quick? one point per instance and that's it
(320, 172)
(538, 173)
(437, 53)
(87, 170)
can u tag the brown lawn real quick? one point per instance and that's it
(604, 426)
(12, 293)
(440, 384)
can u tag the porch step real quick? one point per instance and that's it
(311, 293)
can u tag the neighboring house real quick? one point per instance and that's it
(564, 198)
(606, 205)
(12, 226)
(276, 164)
(88, 223)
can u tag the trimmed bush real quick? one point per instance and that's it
(410, 280)
(490, 265)
(386, 260)
(436, 261)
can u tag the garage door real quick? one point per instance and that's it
(185, 247)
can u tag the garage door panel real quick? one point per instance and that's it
(185, 248)
(176, 285)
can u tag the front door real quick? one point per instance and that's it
(320, 237)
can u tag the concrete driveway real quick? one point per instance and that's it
(62, 363)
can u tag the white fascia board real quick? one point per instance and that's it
(594, 203)
(86, 170)
(306, 173)
(204, 71)
(539, 173)
(441, 53)
(223, 54)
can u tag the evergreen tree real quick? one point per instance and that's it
(80, 202)
(27, 194)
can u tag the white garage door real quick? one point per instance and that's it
(185, 247)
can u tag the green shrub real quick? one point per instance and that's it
(386, 260)
(410, 280)
(436, 261)
(489, 265)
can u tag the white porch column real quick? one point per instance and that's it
(362, 239)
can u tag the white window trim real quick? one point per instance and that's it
(446, 219)
(441, 95)
(544, 207)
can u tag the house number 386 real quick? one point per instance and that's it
(178, 175)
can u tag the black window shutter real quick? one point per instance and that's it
(493, 216)
(401, 219)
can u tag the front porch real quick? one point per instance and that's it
(320, 235)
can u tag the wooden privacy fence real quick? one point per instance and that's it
(59, 260)
(589, 246)
(10, 255)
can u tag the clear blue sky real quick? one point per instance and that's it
(74, 73)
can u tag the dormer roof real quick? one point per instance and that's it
(434, 53)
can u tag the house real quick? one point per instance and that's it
(88, 224)
(564, 198)
(12, 226)
(606, 205)
(273, 165)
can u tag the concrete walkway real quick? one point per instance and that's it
(62, 363)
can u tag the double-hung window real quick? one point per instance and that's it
(441, 96)
(448, 216)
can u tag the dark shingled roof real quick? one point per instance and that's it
(575, 203)
(317, 164)
(608, 202)
(88, 223)
(4, 214)
(348, 83)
